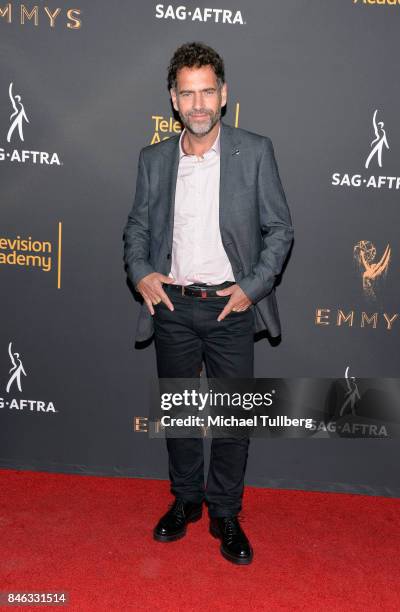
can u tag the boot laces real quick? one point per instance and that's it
(232, 526)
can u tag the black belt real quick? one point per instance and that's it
(198, 290)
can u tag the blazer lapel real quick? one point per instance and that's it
(171, 163)
(229, 147)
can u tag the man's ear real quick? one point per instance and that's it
(224, 94)
(172, 92)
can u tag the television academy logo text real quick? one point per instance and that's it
(370, 3)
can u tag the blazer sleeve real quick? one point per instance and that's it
(275, 225)
(136, 235)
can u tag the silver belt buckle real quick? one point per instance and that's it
(183, 290)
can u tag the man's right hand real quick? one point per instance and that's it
(150, 288)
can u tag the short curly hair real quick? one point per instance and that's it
(195, 54)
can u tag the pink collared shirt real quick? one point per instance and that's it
(198, 254)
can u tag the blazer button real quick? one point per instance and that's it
(169, 256)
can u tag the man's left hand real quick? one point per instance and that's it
(239, 302)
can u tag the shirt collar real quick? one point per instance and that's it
(215, 146)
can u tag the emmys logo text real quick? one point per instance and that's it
(373, 270)
(36, 14)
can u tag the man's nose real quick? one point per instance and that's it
(198, 99)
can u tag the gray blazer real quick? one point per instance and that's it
(255, 223)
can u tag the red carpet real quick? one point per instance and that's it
(91, 536)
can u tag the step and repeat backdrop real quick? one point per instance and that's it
(82, 90)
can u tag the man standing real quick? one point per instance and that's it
(207, 236)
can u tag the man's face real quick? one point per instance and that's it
(198, 99)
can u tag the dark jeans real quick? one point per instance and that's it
(183, 339)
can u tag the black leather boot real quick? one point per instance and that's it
(235, 546)
(172, 525)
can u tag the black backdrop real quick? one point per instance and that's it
(92, 84)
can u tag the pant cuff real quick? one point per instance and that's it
(223, 512)
(189, 498)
